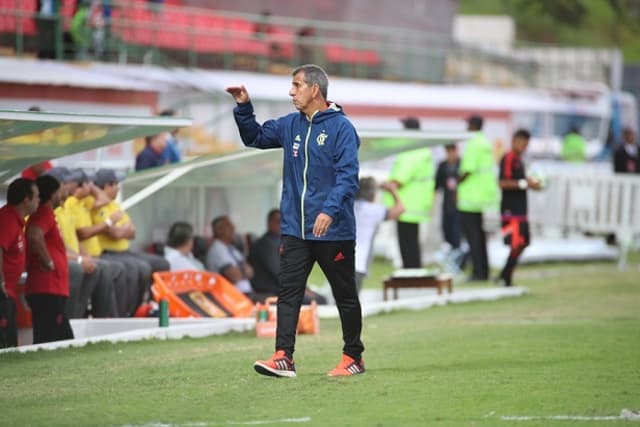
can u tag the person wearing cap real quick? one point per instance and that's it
(47, 285)
(22, 200)
(115, 240)
(412, 175)
(477, 192)
(85, 198)
(77, 266)
(152, 155)
(88, 279)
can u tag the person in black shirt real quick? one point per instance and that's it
(626, 158)
(264, 256)
(447, 181)
(513, 207)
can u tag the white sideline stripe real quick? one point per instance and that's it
(427, 301)
(198, 328)
(562, 418)
(625, 415)
(178, 330)
(213, 423)
(282, 420)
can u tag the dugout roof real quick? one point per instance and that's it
(29, 137)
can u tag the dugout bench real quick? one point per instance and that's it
(416, 278)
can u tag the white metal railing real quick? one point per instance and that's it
(577, 198)
(591, 202)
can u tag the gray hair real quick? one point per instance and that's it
(313, 74)
(367, 189)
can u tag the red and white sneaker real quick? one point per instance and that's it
(278, 366)
(347, 367)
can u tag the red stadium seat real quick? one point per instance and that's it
(16, 14)
(338, 54)
(143, 27)
(335, 53)
(284, 40)
(174, 30)
(7, 16)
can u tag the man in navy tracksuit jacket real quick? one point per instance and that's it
(320, 181)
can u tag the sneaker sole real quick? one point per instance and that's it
(346, 375)
(270, 372)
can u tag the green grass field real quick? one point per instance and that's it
(570, 347)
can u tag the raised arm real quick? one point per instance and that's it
(251, 132)
(239, 93)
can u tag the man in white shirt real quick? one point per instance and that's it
(178, 250)
(368, 216)
(224, 258)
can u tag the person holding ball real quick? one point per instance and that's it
(513, 207)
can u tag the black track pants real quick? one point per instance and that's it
(337, 260)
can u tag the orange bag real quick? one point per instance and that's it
(266, 318)
(266, 315)
(309, 322)
(193, 293)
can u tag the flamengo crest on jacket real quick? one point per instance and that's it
(320, 168)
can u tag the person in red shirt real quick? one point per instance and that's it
(513, 206)
(34, 171)
(47, 287)
(22, 200)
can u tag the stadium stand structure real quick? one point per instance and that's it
(184, 34)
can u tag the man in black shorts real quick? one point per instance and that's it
(513, 207)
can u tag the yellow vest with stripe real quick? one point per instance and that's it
(414, 171)
(479, 190)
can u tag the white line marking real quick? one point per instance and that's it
(561, 418)
(207, 424)
(282, 420)
(625, 414)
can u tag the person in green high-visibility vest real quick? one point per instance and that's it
(413, 176)
(477, 191)
(574, 147)
(80, 30)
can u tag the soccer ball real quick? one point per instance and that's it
(540, 177)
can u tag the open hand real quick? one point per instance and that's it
(239, 93)
(322, 224)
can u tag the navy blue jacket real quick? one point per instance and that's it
(320, 168)
(148, 158)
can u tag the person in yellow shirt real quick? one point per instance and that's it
(87, 280)
(85, 197)
(116, 239)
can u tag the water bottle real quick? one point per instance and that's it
(164, 313)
